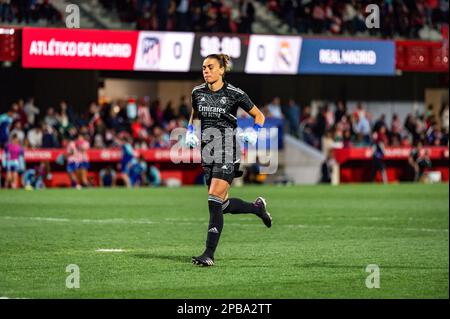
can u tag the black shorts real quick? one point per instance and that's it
(225, 172)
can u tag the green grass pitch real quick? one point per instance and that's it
(322, 239)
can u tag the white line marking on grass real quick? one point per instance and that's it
(44, 219)
(202, 221)
(103, 250)
(116, 221)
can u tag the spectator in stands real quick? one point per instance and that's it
(288, 12)
(128, 154)
(6, 11)
(157, 113)
(13, 162)
(224, 23)
(424, 163)
(31, 111)
(21, 116)
(131, 110)
(340, 111)
(49, 138)
(378, 149)
(138, 172)
(183, 108)
(275, 108)
(51, 118)
(198, 19)
(347, 139)
(434, 135)
(144, 113)
(82, 145)
(247, 16)
(293, 117)
(107, 177)
(362, 129)
(328, 142)
(326, 168)
(160, 138)
(19, 132)
(182, 15)
(396, 128)
(307, 132)
(413, 166)
(34, 178)
(381, 121)
(110, 138)
(163, 12)
(64, 119)
(169, 113)
(34, 137)
(154, 176)
(444, 114)
(318, 17)
(320, 125)
(6, 120)
(418, 162)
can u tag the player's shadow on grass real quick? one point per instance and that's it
(165, 257)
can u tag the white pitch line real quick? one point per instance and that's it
(103, 250)
(197, 221)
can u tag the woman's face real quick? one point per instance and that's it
(212, 70)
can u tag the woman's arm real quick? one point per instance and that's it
(194, 114)
(257, 115)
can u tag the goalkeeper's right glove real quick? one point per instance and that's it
(191, 138)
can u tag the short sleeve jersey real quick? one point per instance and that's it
(218, 109)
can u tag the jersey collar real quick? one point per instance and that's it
(224, 86)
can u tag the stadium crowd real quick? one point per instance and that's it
(185, 15)
(143, 121)
(148, 124)
(28, 11)
(139, 124)
(399, 18)
(335, 126)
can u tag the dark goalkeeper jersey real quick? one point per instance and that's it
(217, 110)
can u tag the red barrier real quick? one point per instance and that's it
(183, 166)
(356, 163)
(114, 155)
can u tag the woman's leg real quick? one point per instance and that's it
(8, 182)
(15, 177)
(217, 192)
(84, 178)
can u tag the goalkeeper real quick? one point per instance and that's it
(215, 104)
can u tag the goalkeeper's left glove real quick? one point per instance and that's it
(251, 136)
